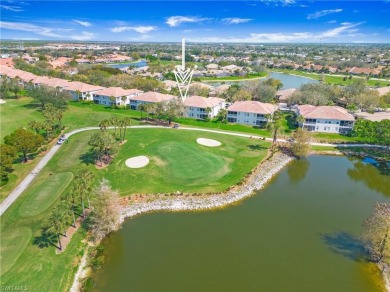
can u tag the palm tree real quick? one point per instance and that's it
(71, 198)
(142, 107)
(300, 120)
(84, 179)
(114, 122)
(126, 122)
(275, 126)
(104, 124)
(55, 225)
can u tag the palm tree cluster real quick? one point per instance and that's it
(115, 122)
(64, 213)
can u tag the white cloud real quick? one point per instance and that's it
(12, 8)
(235, 20)
(345, 27)
(47, 31)
(84, 36)
(174, 21)
(321, 13)
(277, 2)
(22, 26)
(344, 30)
(140, 29)
(83, 23)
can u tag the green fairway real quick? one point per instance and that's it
(17, 113)
(13, 242)
(44, 194)
(179, 163)
(188, 164)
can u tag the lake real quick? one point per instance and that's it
(298, 234)
(289, 81)
(137, 64)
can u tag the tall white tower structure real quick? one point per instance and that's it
(183, 76)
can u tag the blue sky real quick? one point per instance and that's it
(262, 21)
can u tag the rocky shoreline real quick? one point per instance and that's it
(259, 177)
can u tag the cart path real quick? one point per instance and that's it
(30, 177)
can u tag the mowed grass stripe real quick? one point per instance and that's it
(43, 195)
(188, 162)
(179, 163)
(13, 242)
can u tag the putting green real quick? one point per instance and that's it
(13, 243)
(43, 194)
(189, 164)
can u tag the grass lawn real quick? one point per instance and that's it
(16, 113)
(178, 163)
(40, 269)
(333, 138)
(45, 193)
(235, 78)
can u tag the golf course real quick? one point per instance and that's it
(177, 163)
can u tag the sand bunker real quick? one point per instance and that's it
(2, 101)
(208, 142)
(137, 162)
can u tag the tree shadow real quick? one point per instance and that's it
(33, 105)
(256, 147)
(346, 245)
(88, 158)
(46, 240)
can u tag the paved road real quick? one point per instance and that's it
(30, 177)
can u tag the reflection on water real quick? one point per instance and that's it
(298, 170)
(300, 233)
(375, 177)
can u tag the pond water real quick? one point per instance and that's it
(298, 234)
(137, 64)
(289, 81)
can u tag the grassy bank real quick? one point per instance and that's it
(177, 163)
(235, 78)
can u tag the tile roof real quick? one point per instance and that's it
(152, 96)
(82, 87)
(250, 106)
(202, 102)
(325, 112)
(118, 91)
(285, 94)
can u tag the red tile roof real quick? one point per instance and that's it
(82, 87)
(118, 91)
(325, 112)
(152, 96)
(250, 106)
(202, 102)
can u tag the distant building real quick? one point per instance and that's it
(252, 113)
(199, 107)
(149, 97)
(327, 119)
(80, 90)
(115, 96)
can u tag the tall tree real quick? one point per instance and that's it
(8, 154)
(103, 145)
(376, 233)
(104, 124)
(301, 147)
(174, 108)
(275, 125)
(24, 141)
(106, 212)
